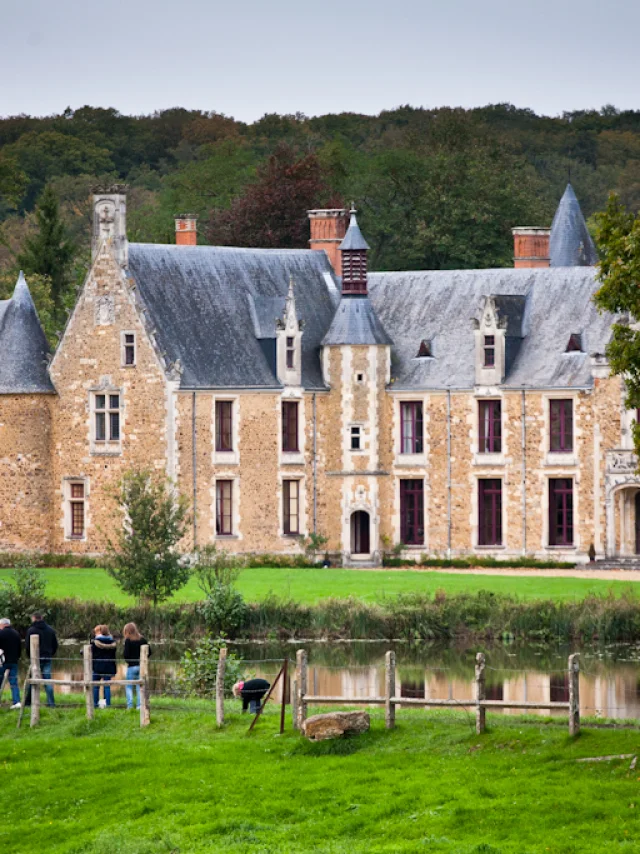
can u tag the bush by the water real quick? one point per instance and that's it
(198, 669)
(24, 595)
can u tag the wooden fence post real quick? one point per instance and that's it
(389, 689)
(220, 672)
(87, 672)
(574, 694)
(481, 693)
(301, 679)
(294, 703)
(34, 656)
(145, 717)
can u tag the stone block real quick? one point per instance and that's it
(335, 725)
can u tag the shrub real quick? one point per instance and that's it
(224, 610)
(214, 567)
(25, 595)
(198, 669)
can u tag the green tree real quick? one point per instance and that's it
(618, 239)
(13, 181)
(49, 252)
(40, 288)
(144, 558)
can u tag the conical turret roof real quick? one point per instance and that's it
(570, 244)
(353, 239)
(23, 346)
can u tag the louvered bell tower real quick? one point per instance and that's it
(354, 260)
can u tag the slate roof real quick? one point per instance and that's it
(570, 244)
(440, 306)
(355, 322)
(211, 305)
(353, 239)
(23, 346)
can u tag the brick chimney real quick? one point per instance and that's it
(328, 227)
(531, 247)
(186, 230)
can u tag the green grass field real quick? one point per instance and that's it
(182, 786)
(310, 585)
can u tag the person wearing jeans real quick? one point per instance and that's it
(11, 646)
(133, 640)
(48, 648)
(103, 655)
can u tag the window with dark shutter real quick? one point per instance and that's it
(411, 427)
(224, 507)
(489, 427)
(561, 418)
(290, 426)
(490, 512)
(561, 511)
(224, 425)
(412, 512)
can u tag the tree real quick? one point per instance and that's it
(49, 252)
(618, 239)
(145, 560)
(272, 212)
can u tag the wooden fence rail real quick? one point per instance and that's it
(34, 679)
(479, 703)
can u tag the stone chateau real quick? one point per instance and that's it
(286, 392)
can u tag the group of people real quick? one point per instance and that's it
(103, 655)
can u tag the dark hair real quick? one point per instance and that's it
(37, 615)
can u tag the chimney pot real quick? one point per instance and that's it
(186, 230)
(530, 246)
(328, 228)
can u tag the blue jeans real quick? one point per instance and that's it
(133, 672)
(97, 677)
(45, 669)
(13, 681)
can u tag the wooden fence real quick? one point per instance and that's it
(390, 700)
(35, 681)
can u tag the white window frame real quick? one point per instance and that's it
(106, 446)
(68, 500)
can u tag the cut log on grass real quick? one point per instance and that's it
(335, 725)
(607, 758)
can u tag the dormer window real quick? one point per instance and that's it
(575, 343)
(424, 351)
(291, 352)
(489, 347)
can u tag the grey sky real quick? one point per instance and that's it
(249, 57)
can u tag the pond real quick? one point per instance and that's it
(609, 676)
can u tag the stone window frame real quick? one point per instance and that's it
(572, 493)
(106, 447)
(401, 459)
(292, 457)
(359, 427)
(401, 495)
(235, 506)
(498, 521)
(555, 459)
(67, 484)
(562, 474)
(123, 349)
(495, 471)
(231, 458)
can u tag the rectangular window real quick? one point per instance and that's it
(412, 512)
(489, 351)
(291, 353)
(224, 425)
(290, 426)
(291, 507)
(411, 430)
(76, 510)
(107, 417)
(561, 511)
(224, 494)
(490, 512)
(561, 418)
(490, 427)
(128, 349)
(356, 439)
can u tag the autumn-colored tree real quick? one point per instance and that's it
(271, 213)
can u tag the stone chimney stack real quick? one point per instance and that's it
(328, 228)
(186, 230)
(110, 221)
(531, 247)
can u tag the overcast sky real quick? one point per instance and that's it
(249, 57)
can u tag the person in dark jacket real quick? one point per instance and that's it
(48, 649)
(252, 691)
(11, 646)
(103, 655)
(133, 640)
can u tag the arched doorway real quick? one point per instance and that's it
(360, 538)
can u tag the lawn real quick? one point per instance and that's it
(182, 786)
(310, 585)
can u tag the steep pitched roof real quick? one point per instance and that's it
(440, 306)
(354, 238)
(23, 346)
(211, 305)
(355, 322)
(570, 244)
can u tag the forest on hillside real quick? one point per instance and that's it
(435, 189)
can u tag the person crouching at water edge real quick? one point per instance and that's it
(103, 654)
(252, 691)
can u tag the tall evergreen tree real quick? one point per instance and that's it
(49, 252)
